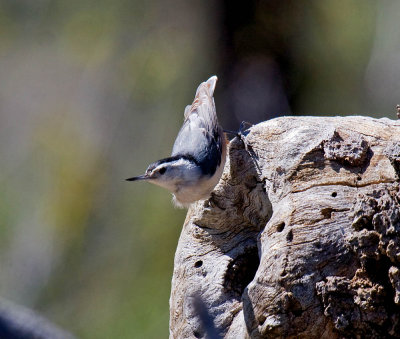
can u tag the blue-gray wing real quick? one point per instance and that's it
(200, 135)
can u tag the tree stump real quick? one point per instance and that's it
(301, 237)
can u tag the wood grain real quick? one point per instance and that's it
(301, 237)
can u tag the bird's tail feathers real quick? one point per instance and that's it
(211, 84)
(208, 86)
(203, 103)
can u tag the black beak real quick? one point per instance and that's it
(140, 177)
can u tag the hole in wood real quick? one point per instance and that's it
(289, 236)
(280, 227)
(241, 271)
(334, 194)
(377, 270)
(327, 213)
(261, 319)
(197, 334)
(198, 264)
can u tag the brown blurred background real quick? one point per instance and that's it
(91, 92)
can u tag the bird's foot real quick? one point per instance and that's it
(242, 132)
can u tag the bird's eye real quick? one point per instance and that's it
(162, 170)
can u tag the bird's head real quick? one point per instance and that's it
(171, 173)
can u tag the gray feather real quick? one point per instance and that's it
(199, 136)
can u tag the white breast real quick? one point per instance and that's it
(201, 189)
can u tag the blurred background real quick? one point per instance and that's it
(91, 92)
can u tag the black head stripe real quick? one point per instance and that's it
(176, 157)
(208, 160)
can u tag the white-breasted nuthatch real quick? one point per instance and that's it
(198, 155)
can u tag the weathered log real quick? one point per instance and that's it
(301, 237)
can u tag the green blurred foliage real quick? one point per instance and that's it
(91, 93)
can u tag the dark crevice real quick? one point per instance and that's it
(289, 236)
(377, 271)
(241, 271)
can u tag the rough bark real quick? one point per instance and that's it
(301, 237)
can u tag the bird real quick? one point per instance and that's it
(198, 155)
